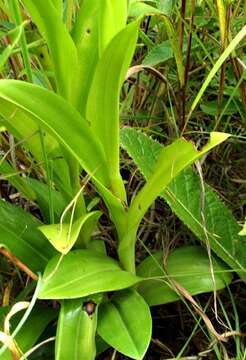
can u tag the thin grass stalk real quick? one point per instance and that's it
(23, 43)
(187, 64)
(223, 25)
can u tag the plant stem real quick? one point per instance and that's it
(126, 249)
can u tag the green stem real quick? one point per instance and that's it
(126, 248)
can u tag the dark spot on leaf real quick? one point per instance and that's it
(89, 307)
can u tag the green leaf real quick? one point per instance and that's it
(138, 8)
(58, 4)
(86, 34)
(171, 161)
(19, 234)
(125, 323)
(51, 112)
(189, 266)
(226, 53)
(103, 101)
(50, 24)
(83, 273)
(22, 125)
(211, 108)
(32, 329)
(221, 227)
(158, 54)
(75, 338)
(42, 193)
(165, 6)
(64, 235)
(113, 16)
(11, 174)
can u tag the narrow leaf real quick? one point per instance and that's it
(113, 16)
(103, 101)
(50, 24)
(86, 37)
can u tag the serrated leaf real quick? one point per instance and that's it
(125, 323)
(189, 266)
(171, 160)
(184, 195)
(83, 273)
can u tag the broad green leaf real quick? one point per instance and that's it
(62, 48)
(221, 227)
(86, 37)
(83, 273)
(171, 161)
(32, 329)
(189, 266)
(51, 112)
(125, 323)
(103, 101)
(19, 234)
(75, 338)
(64, 235)
(113, 16)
